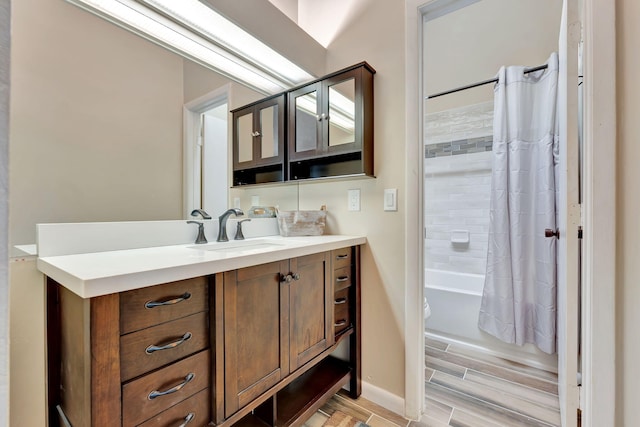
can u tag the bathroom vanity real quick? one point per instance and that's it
(248, 334)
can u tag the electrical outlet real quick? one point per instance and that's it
(236, 202)
(255, 200)
(353, 199)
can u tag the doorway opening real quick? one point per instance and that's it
(457, 165)
(206, 153)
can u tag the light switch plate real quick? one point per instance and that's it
(391, 199)
(353, 197)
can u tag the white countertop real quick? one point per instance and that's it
(100, 273)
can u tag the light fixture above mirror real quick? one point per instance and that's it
(197, 32)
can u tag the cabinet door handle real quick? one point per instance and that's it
(172, 390)
(190, 416)
(340, 301)
(342, 256)
(340, 322)
(183, 297)
(154, 348)
(286, 279)
(296, 276)
(256, 133)
(342, 279)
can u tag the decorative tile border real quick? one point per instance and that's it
(463, 146)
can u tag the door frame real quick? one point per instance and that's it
(192, 152)
(599, 213)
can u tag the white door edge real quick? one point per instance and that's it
(599, 253)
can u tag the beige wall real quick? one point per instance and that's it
(628, 213)
(96, 121)
(375, 35)
(27, 352)
(471, 44)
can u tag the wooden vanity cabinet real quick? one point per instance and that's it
(253, 345)
(256, 335)
(125, 359)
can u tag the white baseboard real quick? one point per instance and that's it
(383, 398)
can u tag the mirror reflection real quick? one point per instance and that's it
(306, 134)
(342, 110)
(245, 138)
(269, 131)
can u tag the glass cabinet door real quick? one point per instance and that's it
(269, 132)
(304, 121)
(258, 134)
(342, 113)
(244, 135)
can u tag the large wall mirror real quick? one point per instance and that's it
(97, 122)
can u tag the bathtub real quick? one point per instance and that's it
(454, 300)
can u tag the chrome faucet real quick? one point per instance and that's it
(222, 223)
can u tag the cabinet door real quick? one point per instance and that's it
(256, 334)
(310, 328)
(305, 117)
(342, 126)
(258, 134)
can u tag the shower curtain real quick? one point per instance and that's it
(519, 296)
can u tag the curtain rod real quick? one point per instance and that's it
(484, 82)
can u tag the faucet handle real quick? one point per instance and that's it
(201, 238)
(239, 234)
(200, 212)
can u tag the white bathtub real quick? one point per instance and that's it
(454, 299)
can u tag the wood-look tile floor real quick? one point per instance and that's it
(471, 389)
(361, 409)
(465, 389)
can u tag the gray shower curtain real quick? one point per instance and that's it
(519, 297)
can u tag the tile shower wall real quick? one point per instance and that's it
(459, 124)
(457, 187)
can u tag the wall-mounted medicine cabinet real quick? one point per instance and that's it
(327, 125)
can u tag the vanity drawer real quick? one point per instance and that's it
(341, 278)
(341, 318)
(157, 346)
(160, 390)
(192, 412)
(150, 306)
(341, 258)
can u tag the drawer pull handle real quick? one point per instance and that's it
(154, 348)
(340, 301)
(190, 416)
(342, 256)
(342, 279)
(183, 297)
(340, 322)
(172, 390)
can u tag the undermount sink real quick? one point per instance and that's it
(240, 246)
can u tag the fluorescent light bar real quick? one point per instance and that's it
(198, 16)
(161, 30)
